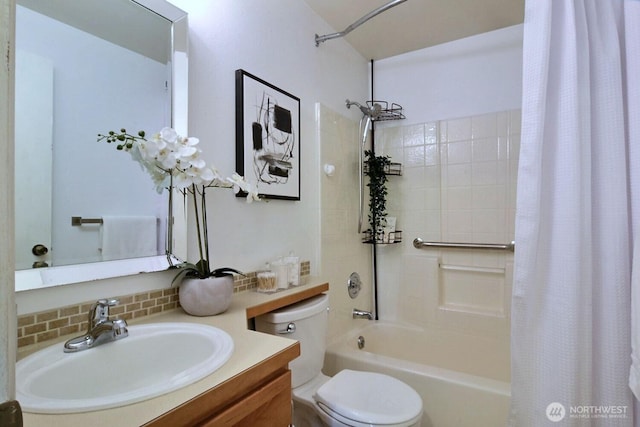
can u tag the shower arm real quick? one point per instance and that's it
(365, 18)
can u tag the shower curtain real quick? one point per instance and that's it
(576, 295)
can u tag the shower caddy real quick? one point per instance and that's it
(376, 111)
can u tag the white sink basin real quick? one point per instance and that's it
(153, 360)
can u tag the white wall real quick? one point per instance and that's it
(471, 76)
(275, 42)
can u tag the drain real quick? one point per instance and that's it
(360, 342)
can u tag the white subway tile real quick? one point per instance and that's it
(459, 129)
(414, 156)
(431, 133)
(485, 149)
(460, 198)
(431, 154)
(459, 152)
(413, 135)
(458, 175)
(484, 126)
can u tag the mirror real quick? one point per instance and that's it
(84, 68)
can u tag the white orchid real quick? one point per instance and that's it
(167, 154)
(240, 184)
(175, 161)
(252, 193)
(167, 134)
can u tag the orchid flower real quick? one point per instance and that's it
(175, 161)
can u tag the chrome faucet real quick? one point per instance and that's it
(362, 314)
(100, 330)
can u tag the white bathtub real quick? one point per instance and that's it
(463, 379)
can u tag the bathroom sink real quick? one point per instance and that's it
(153, 360)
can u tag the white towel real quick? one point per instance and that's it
(128, 237)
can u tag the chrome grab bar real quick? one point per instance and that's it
(418, 243)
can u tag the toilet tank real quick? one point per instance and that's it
(310, 318)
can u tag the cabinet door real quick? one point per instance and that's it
(267, 406)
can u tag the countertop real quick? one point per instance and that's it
(250, 349)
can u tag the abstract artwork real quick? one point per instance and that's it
(267, 137)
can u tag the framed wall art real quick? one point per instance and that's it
(267, 137)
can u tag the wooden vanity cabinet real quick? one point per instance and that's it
(257, 397)
(269, 405)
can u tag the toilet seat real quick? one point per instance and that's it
(366, 398)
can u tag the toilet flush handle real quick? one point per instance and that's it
(291, 328)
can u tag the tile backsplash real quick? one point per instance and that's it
(51, 324)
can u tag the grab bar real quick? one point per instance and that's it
(418, 243)
(78, 220)
(471, 269)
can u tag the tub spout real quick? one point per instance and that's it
(362, 314)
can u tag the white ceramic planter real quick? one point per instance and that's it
(206, 297)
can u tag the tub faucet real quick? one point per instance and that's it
(362, 314)
(101, 328)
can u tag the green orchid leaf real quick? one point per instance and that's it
(186, 270)
(203, 268)
(218, 272)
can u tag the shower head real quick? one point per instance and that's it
(373, 111)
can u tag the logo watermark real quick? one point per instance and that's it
(556, 411)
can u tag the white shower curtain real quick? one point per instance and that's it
(576, 296)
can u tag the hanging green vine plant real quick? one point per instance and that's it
(375, 169)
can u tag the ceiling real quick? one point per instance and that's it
(415, 24)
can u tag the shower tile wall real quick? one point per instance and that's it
(458, 185)
(342, 251)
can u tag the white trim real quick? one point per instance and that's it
(7, 256)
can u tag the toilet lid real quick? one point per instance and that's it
(370, 398)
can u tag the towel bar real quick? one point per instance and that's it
(418, 243)
(78, 220)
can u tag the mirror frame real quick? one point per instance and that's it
(176, 245)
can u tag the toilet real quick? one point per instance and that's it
(349, 398)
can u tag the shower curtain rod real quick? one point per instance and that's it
(365, 18)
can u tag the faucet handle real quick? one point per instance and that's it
(108, 302)
(100, 311)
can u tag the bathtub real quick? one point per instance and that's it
(463, 379)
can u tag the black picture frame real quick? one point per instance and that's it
(267, 137)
